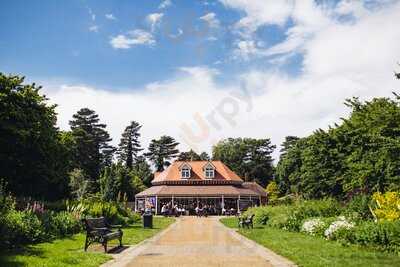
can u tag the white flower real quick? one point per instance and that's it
(311, 226)
(341, 223)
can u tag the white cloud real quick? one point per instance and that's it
(136, 37)
(110, 16)
(165, 4)
(340, 61)
(94, 28)
(246, 49)
(211, 20)
(260, 12)
(178, 34)
(91, 14)
(154, 20)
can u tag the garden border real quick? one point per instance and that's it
(275, 259)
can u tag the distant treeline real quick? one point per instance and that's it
(361, 155)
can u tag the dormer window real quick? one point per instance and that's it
(209, 171)
(185, 172)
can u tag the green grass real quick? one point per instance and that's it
(69, 251)
(309, 251)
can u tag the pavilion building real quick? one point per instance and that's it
(191, 184)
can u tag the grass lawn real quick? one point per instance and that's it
(309, 251)
(69, 251)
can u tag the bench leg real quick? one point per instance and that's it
(120, 241)
(105, 246)
(86, 243)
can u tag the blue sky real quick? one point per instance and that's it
(71, 40)
(204, 70)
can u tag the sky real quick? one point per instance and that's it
(202, 71)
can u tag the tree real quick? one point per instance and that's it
(288, 167)
(119, 180)
(272, 191)
(361, 155)
(204, 156)
(162, 151)
(93, 151)
(248, 157)
(129, 145)
(188, 156)
(142, 170)
(31, 149)
(79, 183)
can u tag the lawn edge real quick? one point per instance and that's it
(266, 253)
(123, 258)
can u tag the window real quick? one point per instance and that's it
(209, 172)
(185, 172)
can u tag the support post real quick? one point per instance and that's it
(156, 205)
(238, 206)
(172, 202)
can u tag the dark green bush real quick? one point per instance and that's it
(359, 204)
(383, 235)
(20, 227)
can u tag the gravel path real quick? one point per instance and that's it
(196, 242)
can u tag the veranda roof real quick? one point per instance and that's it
(197, 190)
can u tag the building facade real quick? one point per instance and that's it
(191, 184)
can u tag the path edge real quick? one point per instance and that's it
(133, 251)
(267, 254)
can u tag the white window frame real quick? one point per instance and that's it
(209, 172)
(185, 172)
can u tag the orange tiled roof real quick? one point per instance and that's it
(197, 190)
(173, 173)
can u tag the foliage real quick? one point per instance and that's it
(291, 217)
(249, 158)
(313, 226)
(93, 151)
(119, 180)
(384, 235)
(387, 206)
(162, 151)
(190, 155)
(142, 170)
(79, 184)
(359, 206)
(32, 152)
(272, 191)
(338, 227)
(361, 154)
(129, 145)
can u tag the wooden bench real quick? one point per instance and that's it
(98, 230)
(246, 221)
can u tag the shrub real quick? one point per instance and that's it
(338, 228)
(387, 206)
(360, 205)
(20, 227)
(384, 235)
(272, 191)
(313, 226)
(261, 214)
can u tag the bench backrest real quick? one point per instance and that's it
(91, 223)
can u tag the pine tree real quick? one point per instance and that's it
(189, 156)
(93, 151)
(129, 145)
(162, 151)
